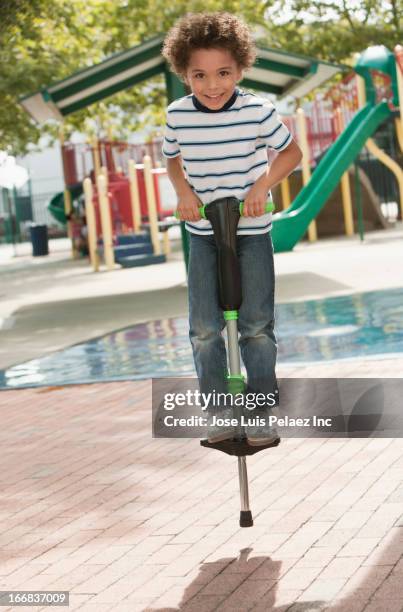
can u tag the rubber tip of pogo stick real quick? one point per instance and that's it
(245, 518)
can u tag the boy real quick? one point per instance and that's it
(219, 134)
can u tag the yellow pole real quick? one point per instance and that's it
(362, 97)
(151, 205)
(285, 192)
(104, 171)
(306, 169)
(67, 202)
(134, 196)
(106, 222)
(375, 150)
(91, 224)
(165, 242)
(399, 132)
(345, 186)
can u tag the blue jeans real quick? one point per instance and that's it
(256, 315)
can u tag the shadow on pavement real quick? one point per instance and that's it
(236, 584)
(252, 584)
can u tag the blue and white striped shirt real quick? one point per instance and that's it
(224, 152)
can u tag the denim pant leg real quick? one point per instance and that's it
(256, 316)
(206, 320)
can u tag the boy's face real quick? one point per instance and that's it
(212, 75)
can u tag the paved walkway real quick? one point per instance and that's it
(91, 504)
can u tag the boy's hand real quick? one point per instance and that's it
(255, 202)
(188, 207)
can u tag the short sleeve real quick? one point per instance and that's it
(170, 147)
(273, 132)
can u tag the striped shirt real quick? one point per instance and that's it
(224, 152)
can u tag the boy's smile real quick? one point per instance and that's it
(212, 75)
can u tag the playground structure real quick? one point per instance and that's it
(331, 133)
(367, 99)
(123, 210)
(317, 129)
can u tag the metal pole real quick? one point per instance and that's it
(233, 348)
(245, 519)
(243, 484)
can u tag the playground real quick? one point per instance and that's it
(120, 193)
(96, 506)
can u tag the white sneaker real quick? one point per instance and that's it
(258, 430)
(223, 429)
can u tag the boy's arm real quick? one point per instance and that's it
(177, 176)
(282, 165)
(188, 202)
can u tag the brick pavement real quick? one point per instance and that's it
(92, 504)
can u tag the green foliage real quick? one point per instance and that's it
(43, 41)
(332, 30)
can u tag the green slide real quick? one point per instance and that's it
(290, 225)
(56, 204)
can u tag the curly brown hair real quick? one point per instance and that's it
(206, 31)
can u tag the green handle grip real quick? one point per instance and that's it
(269, 208)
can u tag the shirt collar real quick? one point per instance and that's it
(226, 106)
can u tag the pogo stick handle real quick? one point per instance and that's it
(269, 208)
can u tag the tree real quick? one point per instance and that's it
(43, 41)
(19, 12)
(46, 42)
(332, 30)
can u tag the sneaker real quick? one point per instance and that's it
(257, 428)
(223, 431)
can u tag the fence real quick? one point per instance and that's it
(27, 209)
(382, 179)
(321, 113)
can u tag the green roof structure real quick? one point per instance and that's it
(274, 71)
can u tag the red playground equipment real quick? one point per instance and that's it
(136, 195)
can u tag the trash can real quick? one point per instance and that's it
(39, 239)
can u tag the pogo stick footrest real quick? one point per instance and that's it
(239, 448)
